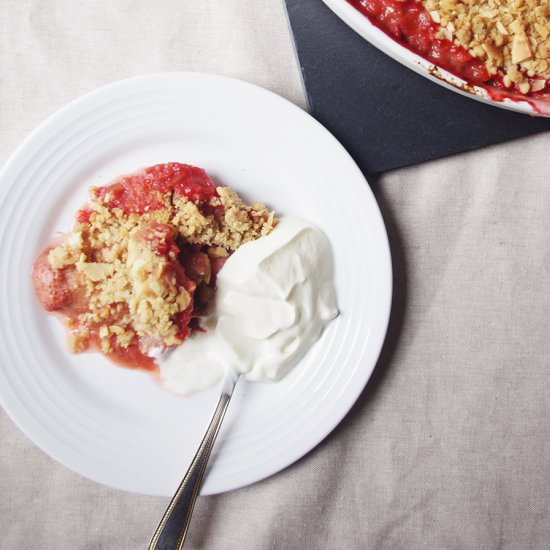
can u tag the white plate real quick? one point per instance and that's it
(378, 38)
(117, 426)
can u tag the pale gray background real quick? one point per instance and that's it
(449, 445)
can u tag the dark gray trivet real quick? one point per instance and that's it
(386, 115)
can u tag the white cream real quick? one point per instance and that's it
(274, 296)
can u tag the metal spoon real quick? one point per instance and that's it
(173, 527)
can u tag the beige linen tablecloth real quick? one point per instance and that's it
(449, 446)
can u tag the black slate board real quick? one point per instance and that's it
(386, 115)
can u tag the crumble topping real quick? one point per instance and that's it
(239, 224)
(510, 36)
(138, 280)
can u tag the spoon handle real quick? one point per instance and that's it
(173, 527)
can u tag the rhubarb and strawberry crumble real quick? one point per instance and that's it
(138, 269)
(502, 45)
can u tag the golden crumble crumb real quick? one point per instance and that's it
(78, 341)
(217, 252)
(106, 346)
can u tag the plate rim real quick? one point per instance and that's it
(17, 412)
(380, 40)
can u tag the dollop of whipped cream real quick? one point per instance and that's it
(274, 296)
